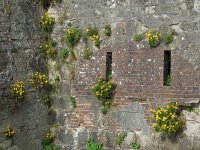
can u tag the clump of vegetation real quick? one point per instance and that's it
(104, 91)
(73, 36)
(94, 36)
(135, 145)
(87, 53)
(9, 132)
(91, 145)
(153, 38)
(38, 80)
(48, 142)
(47, 23)
(120, 138)
(18, 91)
(64, 53)
(48, 48)
(138, 37)
(168, 119)
(168, 37)
(72, 101)
(48, 101)
(168, 80)
(107, 30)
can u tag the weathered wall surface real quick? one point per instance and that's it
(137, 69)
(19, 58)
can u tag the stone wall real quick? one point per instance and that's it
(137, 70)
(19, 58)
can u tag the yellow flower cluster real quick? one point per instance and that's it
(49, 136)
(47, 22)
(153, 37)
(104, 89)
(18, 90)
(39, 80)
(94, 36)
(48, 48)
(73, 36)
(9, 132)
(167, 119)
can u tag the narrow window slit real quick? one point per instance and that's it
(108, 65)
(167, 68)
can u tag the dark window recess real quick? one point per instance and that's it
(108, 65)
(167, 68)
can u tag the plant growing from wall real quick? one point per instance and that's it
(48, 101)
(168, 37)
(153, 37)
(38, 80)
(73, 36)
(135, 145)
(107, 30)
(168, 80)
(64, 53)
(87, 53)
(48, 48)
(94, 36)
(9, 132)
(120, 138)
(47, 23)
(168, 119)
(48, 142)
(91, 145)
(138, 37)
(104, 92)
(18, 91)
(72, 101)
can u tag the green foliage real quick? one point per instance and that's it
(168, 37)
(168, 80)
(138, 37)
(73, 36)
(48, 48)
(72, 101)
(104, 92)
(168, 119)
(153, 38)
(64, 53)
(106, 106)
(104, 89)
(91, 145)
(47, 23)
(91, 31)
(194, 110)
(107, 30)
(120, 138)
(13, 50)
(94, 36)
(1, 148)
(52, 146)
(48, 101)
(135, 145)
(87, 53)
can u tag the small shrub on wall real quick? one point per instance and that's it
(153, 37)
(168, 119)
(47, 23)
(94, 36)
(38, 80)
(18, 91)
(107, 30)
(104, 91)
(73, 36)
(91, 145)
(48, 48)
(9, 132)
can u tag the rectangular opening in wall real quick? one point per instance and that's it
(167, 68)
(108, 65)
